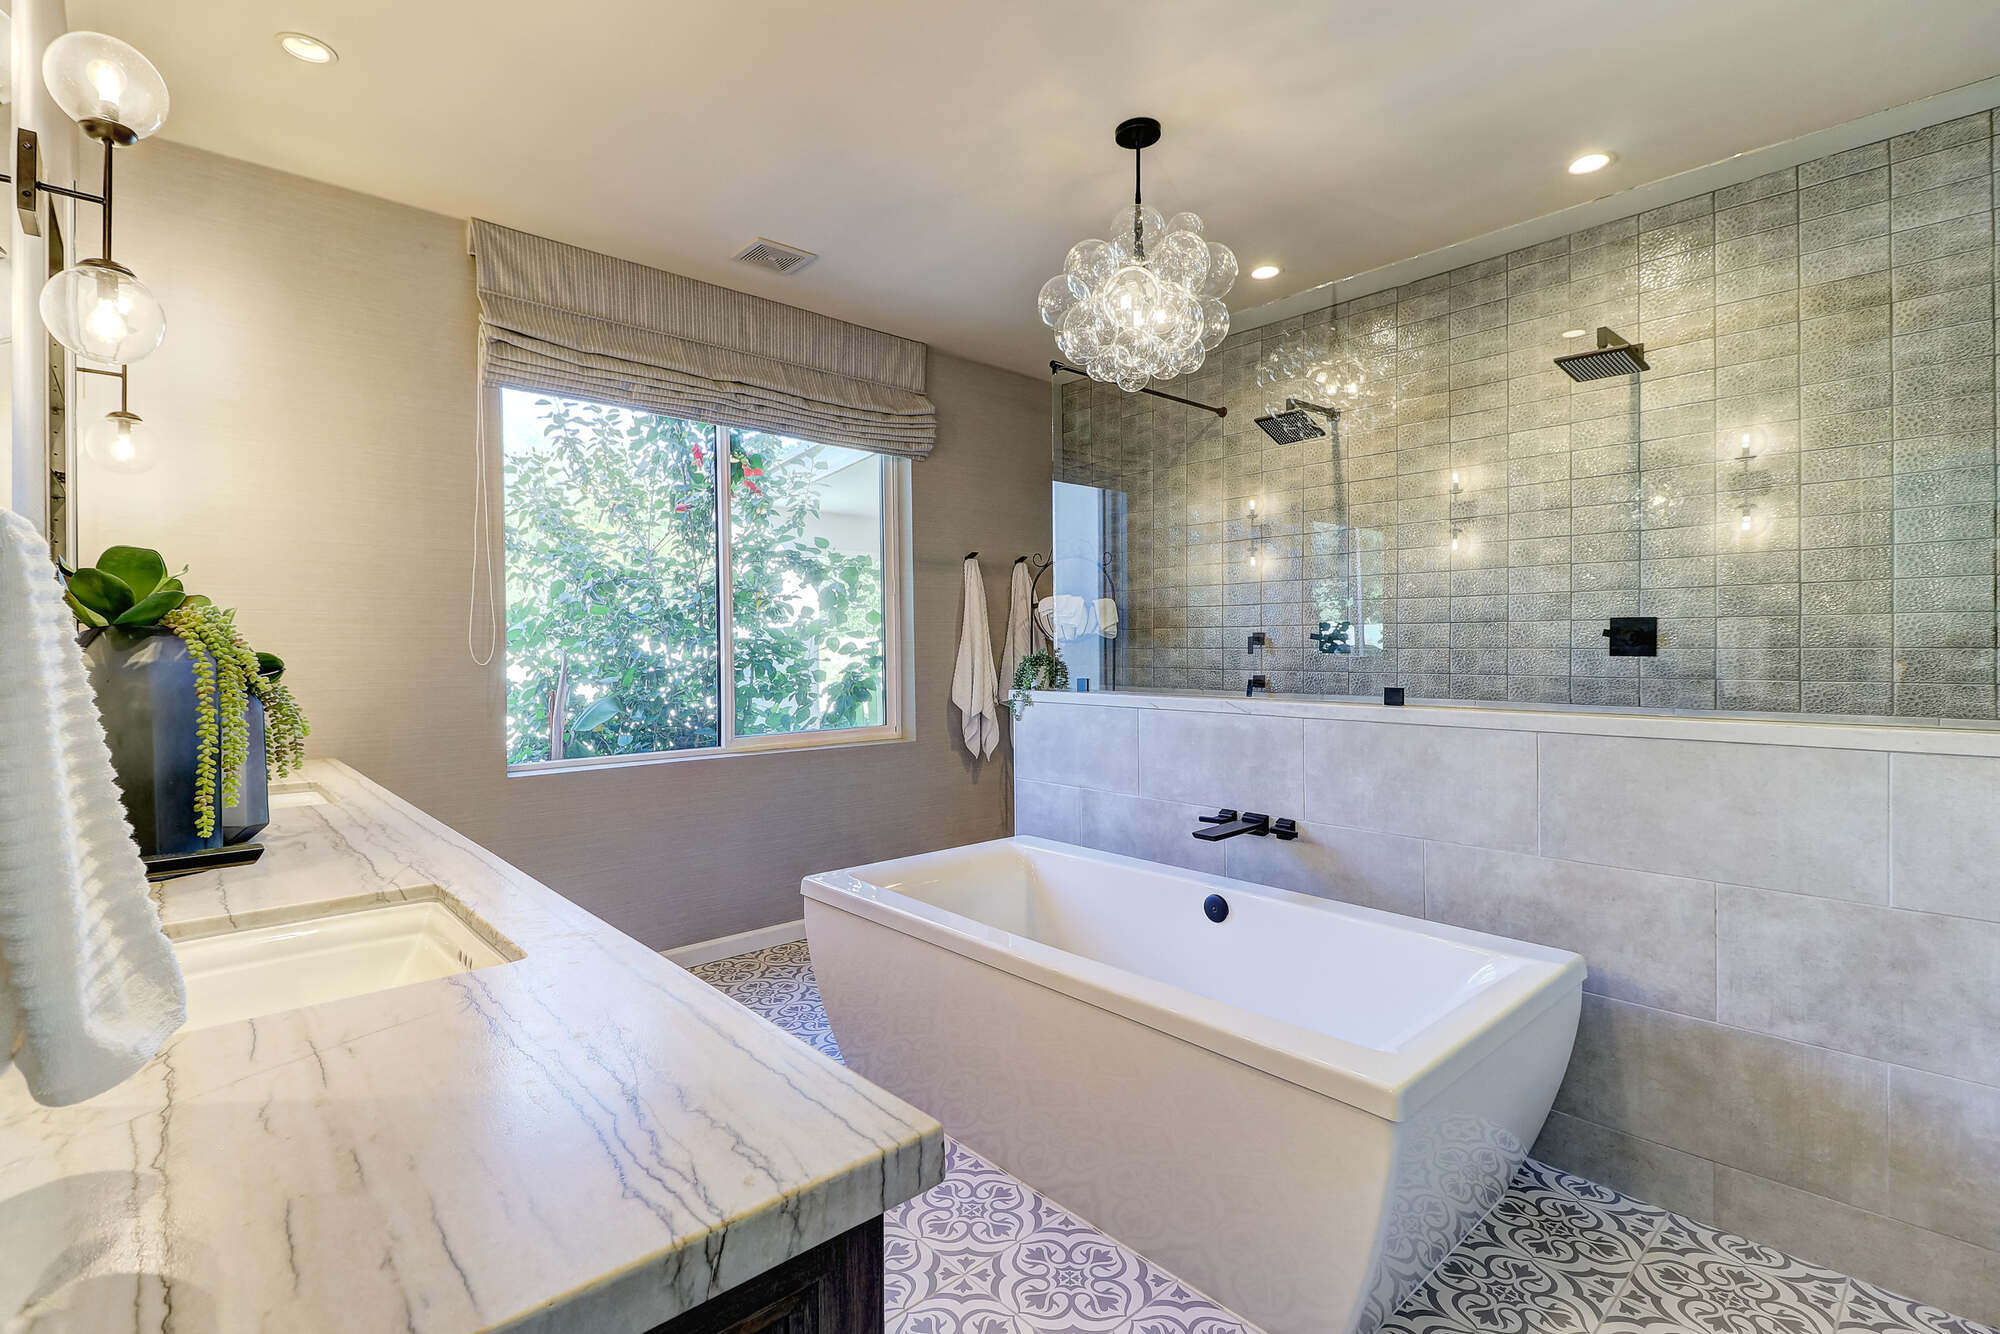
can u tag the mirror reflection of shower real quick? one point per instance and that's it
(1319, 382)
(1080, 604)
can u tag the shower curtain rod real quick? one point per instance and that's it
(1055, 366)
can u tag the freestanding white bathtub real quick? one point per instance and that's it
(1300, 1109)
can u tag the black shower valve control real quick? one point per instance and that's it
(1332, 638)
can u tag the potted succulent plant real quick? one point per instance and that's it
(196, 719)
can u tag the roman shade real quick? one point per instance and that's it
(568, 321)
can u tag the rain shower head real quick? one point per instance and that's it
(1294, 423)
(1613, 357)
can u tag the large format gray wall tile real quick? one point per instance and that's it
(1158, 831)
(1045, 810)
(1917, 989)
(1244, 761)
(1901, 1256)
(1353, 865)
(1647, 938)
(1801, 1115)
(1783, 817)
(1454, 784)
(1945, 836)
(1651, 1172)
(1945, 1155)
(1078, 744)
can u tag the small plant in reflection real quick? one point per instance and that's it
(1041, 670)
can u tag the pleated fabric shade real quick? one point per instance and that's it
(563, 320)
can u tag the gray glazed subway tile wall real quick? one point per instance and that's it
(1789, 1027)
(1836, 318)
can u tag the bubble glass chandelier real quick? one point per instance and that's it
(1147, 304)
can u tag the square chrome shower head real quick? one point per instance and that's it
(1612, 357)
(1290, 426)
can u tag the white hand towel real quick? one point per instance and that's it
(1020, 623)
(1066, 616)
(1107, 618)
(89, 989)
(973, 686)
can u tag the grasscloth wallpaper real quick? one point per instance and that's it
(315, 402)
(1836, 318)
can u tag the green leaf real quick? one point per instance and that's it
(594, 717)
(140, 568)
(106, 594)
(149, 609)
(270, 666)
(83, 613)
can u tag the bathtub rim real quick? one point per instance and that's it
(1393, 1085)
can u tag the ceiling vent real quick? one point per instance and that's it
(775, 256)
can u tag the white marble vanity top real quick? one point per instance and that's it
(588, 1138)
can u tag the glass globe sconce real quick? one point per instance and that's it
(119, 441)
(97, 307)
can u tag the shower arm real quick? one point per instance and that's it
(1055, 366)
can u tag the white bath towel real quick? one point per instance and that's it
(1107, 618)
(1062, 616)
(89, 988)
(1020, 624)
(973, 687)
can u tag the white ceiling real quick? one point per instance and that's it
(941, 158)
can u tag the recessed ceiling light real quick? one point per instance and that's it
(1588, 163)
(310, 49)
(1573, 333)
(1263, 271)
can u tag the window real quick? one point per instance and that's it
(677, 588)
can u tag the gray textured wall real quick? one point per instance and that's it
(315, 401)
(1840, 313)
(1791, 1027)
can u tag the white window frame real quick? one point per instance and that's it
(898, 647)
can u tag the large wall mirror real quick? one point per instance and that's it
(38, 376)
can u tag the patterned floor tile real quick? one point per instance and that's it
(1548, 1259)
(1694, 1278)
(778, 984)
(984, 1253)
(1873, 1310)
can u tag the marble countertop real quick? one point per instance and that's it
(588, 1138)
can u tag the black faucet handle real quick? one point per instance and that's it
(1286, 829)
(1220, 817)
(1258, 639)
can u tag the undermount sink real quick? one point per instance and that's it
(328, 952)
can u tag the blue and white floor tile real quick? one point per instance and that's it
(984, 1253)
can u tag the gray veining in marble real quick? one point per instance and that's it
(588, 1137)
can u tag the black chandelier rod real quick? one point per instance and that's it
(1055, 366)
(1138, 237)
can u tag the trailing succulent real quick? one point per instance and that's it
(129, 588)
(1041, 670)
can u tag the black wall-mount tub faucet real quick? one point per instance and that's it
(1227, 823)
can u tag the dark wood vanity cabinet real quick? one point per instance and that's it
(834, 1288)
